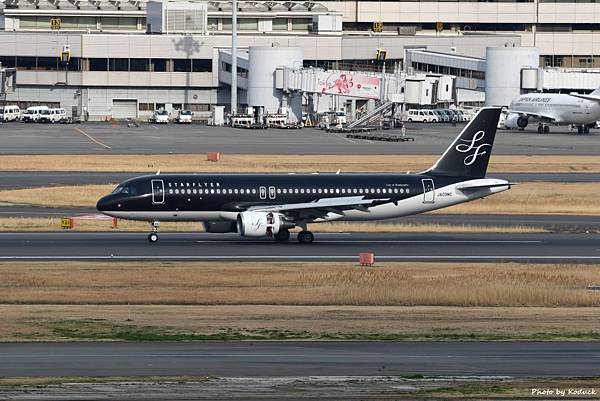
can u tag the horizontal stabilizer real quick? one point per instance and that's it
(477, 186)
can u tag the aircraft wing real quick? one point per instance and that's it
(593, 98)
(321, 207)
(539, 116)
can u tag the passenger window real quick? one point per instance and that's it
(176, 192)
(170, 192)
(378, 190)
(194, 191)
(320, 190)
(325, 190)
(337, 190)
(254, 191)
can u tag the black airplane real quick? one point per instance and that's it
(269, 205)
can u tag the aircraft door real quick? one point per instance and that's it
(158, 192)
(428, 191)
(271, 192)
(263, 192)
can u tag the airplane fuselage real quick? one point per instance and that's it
(191, 197)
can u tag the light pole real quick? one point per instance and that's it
(233, 57)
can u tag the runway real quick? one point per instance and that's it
(113, 246)
(517, 359)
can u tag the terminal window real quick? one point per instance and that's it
(202, 65)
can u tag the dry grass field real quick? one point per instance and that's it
(13, 224)
(40, 322)
(284, 163)
(389, 284)
(527, 198)
(151, 300)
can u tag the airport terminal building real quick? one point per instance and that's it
(128, 58)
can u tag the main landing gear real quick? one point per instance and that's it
(583, 129)
(305, 237)
(282, 236)
(153, 236)
(543, 129)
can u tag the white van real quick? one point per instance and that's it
(10, 113)
(184, 117)
(53, 115)
(33, 114)
(160, 117)
(422, 116)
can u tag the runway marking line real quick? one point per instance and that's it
(91, 138)
(389, 241)
(299, 257)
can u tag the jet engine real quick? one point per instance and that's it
(516, 121)
(260, 224)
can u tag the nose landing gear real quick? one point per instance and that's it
(153, 236)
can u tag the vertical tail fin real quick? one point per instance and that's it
(469, 154)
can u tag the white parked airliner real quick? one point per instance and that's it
(555, 108)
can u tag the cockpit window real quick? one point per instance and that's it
(128, 190)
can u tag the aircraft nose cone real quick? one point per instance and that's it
(102, 204)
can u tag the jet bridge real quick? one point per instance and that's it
(273, 81)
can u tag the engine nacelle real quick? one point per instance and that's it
(219, 226)
(516, 121)
(259, 224)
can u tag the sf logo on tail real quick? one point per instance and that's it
(472, 145)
